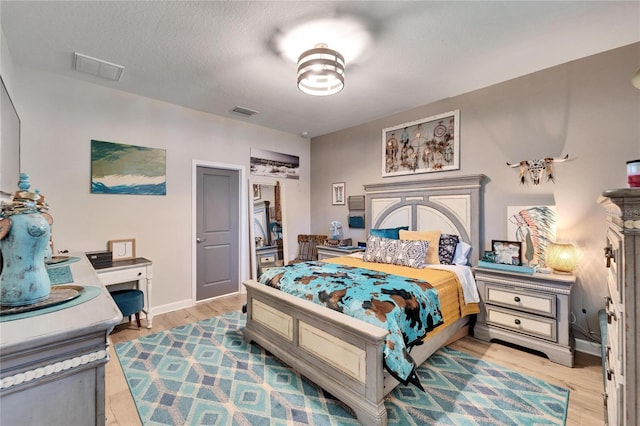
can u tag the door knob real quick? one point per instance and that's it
(200, 240)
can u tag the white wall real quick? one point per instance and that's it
(586, 108)
(60, 116)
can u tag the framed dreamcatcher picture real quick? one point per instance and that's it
(428, 145)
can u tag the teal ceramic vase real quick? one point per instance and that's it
(24, 279)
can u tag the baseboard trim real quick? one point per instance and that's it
(170, 307)
(186, 303)
(587, 347)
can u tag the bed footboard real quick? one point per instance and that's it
(340, 354)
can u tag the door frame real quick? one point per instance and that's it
(243, 246)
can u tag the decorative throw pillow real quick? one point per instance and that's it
(434, 240)
(447, 248)
(304, 250)
(462, 254)
(396, 252)
(387, 232)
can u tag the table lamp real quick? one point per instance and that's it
(562, 258)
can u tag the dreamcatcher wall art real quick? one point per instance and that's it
(423, 146)
(535, 227)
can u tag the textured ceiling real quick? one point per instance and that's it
(214, 55)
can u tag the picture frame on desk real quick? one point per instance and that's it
(124, 249)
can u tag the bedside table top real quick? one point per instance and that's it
(345, 249)
(560, 278)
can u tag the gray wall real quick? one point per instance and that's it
(586, 108)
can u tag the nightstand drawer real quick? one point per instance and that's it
(523, 323)
(268, 259)
(544, 304)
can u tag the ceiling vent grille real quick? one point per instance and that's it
(244, 111)
(97, 67)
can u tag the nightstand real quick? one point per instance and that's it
(266, 257)
(532, 311)
(327, 252)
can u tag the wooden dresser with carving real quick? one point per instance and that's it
(622, 257)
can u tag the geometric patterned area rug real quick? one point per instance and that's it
(205, 374)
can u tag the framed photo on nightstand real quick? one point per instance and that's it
(123, 249)
(507, 252)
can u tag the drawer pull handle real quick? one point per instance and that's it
(517, 321)
(609, 255)
(516, 299)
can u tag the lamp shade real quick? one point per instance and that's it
(320, 71)
(562, 258)
(635, 80)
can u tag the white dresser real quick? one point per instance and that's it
(622, 259)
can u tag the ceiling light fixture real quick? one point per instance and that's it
(320, 71)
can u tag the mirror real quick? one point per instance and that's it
(9, 144)
(267, 227)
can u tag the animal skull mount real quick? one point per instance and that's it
(537, 168)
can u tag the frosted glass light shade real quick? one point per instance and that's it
(562, 258)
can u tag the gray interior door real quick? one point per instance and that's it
(217, 232)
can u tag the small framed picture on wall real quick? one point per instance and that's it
(256, 191)
(337, 194)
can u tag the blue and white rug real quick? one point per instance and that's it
(206, 374)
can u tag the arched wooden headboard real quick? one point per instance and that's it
(452, 205)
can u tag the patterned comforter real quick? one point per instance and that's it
(409, 308)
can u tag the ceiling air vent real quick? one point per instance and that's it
(97, 67)
(244, 111)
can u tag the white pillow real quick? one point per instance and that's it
(461, 257)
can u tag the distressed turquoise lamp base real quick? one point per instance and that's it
(24, 279)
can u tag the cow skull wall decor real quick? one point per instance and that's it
(536, 168)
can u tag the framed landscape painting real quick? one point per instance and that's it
(428, 145)
(127, 169)
(275, 164)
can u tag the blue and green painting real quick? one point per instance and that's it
(127, 169)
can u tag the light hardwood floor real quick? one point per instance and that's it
(584, 381)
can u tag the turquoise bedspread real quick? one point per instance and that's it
(408, 308)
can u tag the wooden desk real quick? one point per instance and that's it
(138, 270)
(52, 364)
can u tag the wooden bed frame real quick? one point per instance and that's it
(341, 354)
